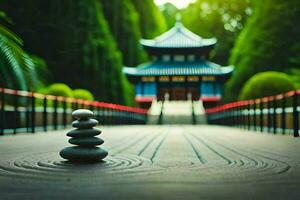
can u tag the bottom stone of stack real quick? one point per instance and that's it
(83, 154)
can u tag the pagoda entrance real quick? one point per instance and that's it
(192, 89)
(178, 91)
(163, 92)
(172, 94)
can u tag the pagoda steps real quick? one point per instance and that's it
(176, 112)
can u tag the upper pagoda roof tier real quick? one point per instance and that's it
(179, 37)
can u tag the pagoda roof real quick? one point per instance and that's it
(196, 68)
(178, 37)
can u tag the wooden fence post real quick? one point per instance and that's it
(45, 114)
(295, 115)
(32, 113)
(283, 115)
(261, 108)
(2, 113)
(254, 115)
(274, 115)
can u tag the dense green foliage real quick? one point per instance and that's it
(123, 21)
(169, 11)
(220, 19)
(83, 94)
(266, 84)
(59, 89)
(270, 41)
(17, 68)
(74, 39)
(152, 21)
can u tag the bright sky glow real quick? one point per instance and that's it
(177, 3)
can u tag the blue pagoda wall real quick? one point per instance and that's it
(146, 89)
(205, 89)
(210, 88)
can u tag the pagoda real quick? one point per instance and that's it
(179, 69)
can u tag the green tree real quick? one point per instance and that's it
(268, 42)
(152, 21)
(74, 39)
(169, 11)
(218, 18)
(123, 21)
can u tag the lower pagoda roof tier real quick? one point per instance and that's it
(162, 68)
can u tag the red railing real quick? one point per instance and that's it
(273, 113)
(36, 106)
(73, 100)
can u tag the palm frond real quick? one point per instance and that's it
(15, 61)
(4, 18)
(10, 35)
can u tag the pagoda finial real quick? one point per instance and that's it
(178, 20)
(178, 17)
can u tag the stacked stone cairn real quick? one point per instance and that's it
(83, 136)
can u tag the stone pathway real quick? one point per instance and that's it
(155, 162)
(176, 112)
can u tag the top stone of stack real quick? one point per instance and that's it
(82, 114)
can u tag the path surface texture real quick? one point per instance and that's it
(154, 162)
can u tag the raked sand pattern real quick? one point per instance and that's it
(154, 162)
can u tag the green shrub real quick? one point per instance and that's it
(294, 73)
(40, 102)
(43, 90)
(266, 84)
(83, 94)
(60, 89)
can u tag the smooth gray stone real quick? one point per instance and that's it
(82, 114)
(84, 124)
(83, 154)
(86, 141)
(76, 133)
